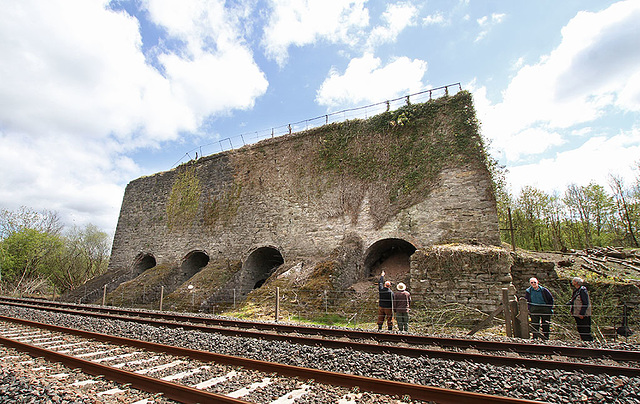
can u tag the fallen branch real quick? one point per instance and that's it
(590, 268)
(487, 320)
(623, 263)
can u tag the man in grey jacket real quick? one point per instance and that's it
(581, 309)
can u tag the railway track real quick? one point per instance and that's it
(500, 353)
(188, 375)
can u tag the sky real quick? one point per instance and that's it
(94, 94)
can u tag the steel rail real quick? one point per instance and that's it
(463, 343)
(499, 360)
(181, 393)
(380, 386)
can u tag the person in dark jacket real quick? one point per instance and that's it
(401, 302)
(540, 302)
(581, 309)
(385, 303)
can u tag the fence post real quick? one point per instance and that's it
(277, 303)
(104, 294)
(326, 303)
(161, 296)
(523, 316)
(515, 324)
(513, 238)
(507, 312)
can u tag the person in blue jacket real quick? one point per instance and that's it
(540, 308)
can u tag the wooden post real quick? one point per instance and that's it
(513, 238)
(523, 316)
(277, 303)
(515, 324)
(507, 312)
(104, 294)
(161, 296)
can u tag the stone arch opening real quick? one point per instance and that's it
(258, 266)
(392, 255)
(143, 262)
(193, 263)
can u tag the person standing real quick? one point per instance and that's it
(540, 302)
(581, 308)
(401, 302)
(385, 303)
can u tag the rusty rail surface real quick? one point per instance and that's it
(412, 339)
(183, 393)
(181, 321)
(499, 360)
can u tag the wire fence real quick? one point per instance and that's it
(429, 313)
(364, 112)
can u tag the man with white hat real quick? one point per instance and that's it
(401, 301)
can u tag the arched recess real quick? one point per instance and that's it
(193, 263)
(258, 266)
(392, 255)
(143, 262)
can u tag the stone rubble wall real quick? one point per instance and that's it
(274, 194)
(469, 275)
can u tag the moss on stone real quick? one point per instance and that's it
(182, 205)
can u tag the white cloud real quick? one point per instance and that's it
(487, 22)
(303, 22)
(594, 68)
(366, 80)
(77, 179)
(397, 17)
(532, 141)
(434, 19)
(215, 72)
(598, 157)
(77, 92)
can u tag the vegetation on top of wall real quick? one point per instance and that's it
(182, 205)
(402, 152)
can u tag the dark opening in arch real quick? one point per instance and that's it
(259, 265)
(193, 263)
(392, 255)
(143, 262)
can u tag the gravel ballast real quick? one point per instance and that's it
(554, 386)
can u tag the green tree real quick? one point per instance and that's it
(532, 208)
(576, 200)
(627, 209)
(13, 221)
(35, 252)
(84, 256)
(28, 253)
(590, 206)
(602, 207)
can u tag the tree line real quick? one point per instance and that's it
(582, 217)
(38, 255)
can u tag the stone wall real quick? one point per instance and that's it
(301, 200)
(470, 275)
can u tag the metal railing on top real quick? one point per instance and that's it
(364, 112)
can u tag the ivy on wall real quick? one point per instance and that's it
(183, 200)
(401, 153)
